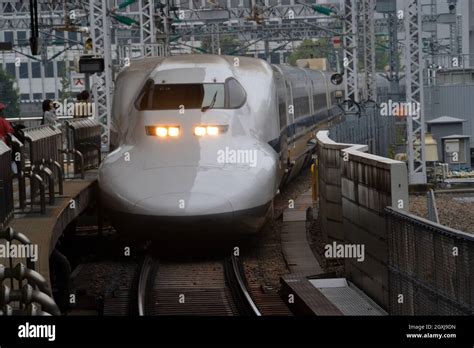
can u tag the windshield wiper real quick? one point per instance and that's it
(210, 106)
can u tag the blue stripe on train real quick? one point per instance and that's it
(308, 121)
(301, 123)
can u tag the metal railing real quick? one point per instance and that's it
(431, 267)
(19, 159)
(42, 162)
(84, 142)
(6, 185)
(43, 157)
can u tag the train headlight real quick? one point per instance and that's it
(161, 131)
(173, 131)
(200, 131)
(211, 130)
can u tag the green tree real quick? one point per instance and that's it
(229, 45)
(382, 54)
(310, 49)
(65, 74)
(382, 58)
(9, 95)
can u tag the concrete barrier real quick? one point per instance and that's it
(355, 188)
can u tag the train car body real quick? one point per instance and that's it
(203, 143)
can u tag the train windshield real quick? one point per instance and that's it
(176, 96)
(202, 96)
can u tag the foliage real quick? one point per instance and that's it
(310, 49)
(382, 54)
(229, 45)
(65, 74)
(9, 95)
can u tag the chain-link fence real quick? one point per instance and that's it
(370, 128)
(431, 267)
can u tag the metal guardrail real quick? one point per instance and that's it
(84, 141)
(40, 155)
(19, 159)
(42, 162)
(6, 185)
(430, 265)
(32, 298)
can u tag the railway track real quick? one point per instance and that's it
(215, 288)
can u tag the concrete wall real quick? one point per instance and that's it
(369, 184)
(329, 184)
(355, 187)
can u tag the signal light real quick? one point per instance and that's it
(88, 45)
(91, 65)
(337, 79)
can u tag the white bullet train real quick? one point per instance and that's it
(203, 143)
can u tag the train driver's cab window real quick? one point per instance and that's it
(204, 96)
(236, 93)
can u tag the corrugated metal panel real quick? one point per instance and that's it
(347, 297)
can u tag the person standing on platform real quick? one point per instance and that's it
(49, 114)
(82, 107)
(5, 126)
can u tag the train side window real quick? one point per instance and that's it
(282, 110)
(319, 102)
(146, 95)
(236, 94)
(301, 106)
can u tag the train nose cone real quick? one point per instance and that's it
(183, 204)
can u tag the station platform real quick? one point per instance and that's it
(312, 291)
(45, 230)
(298, 255)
